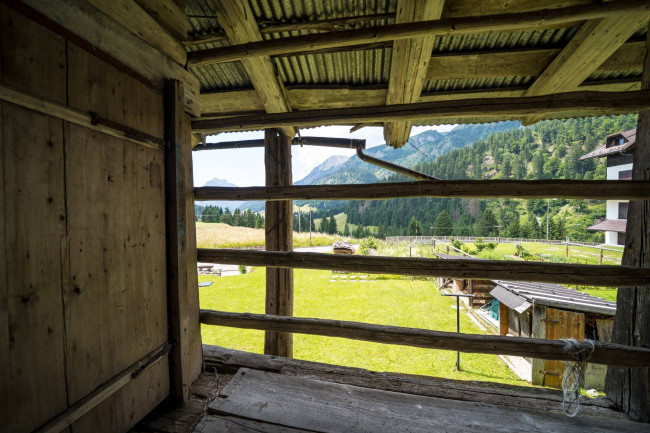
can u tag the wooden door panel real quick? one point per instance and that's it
(561, 324)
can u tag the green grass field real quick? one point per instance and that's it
(389, 300)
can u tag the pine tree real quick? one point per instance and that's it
(486, 225)
(443, 224)
(331, 226)
(346, 231)
(414, 227)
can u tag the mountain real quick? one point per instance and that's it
(232, 205)
(423, 147)
(328, 166)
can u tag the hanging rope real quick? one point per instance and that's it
(574, 374)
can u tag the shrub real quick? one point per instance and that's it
(520, 251)
(456, 243)
(480, 245)
(368, 244)
(242, 269)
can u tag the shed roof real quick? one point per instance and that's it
(610, 226)
(521, 295)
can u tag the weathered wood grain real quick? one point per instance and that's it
(521, 189)
(604, 353)
(456, 26)
(169, 15)
(105, 34)
(342, 143)
(589, 48)
(34, 228)
(182, 280)
(595, 275)
(630, 388)
(409, 63)
(326, 407)
(560, 105)
(482, 392)
(278, 237)
(237, 20)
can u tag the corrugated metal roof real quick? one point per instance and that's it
(554, 295)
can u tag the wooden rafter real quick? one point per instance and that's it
(237, 20)
(449, 26)
(591, 46)
(409, 63)
(576, 104)
(133, 17)
(241, 102)
(169, 15)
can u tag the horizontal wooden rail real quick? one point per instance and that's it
(522, 189)
(101, 393)
(87, 120)
(604, 353)
(562, 273)
(342, 143)
(450, 26)
(558, 105)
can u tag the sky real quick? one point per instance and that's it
(245, 167)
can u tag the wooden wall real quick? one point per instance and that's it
(82, 237)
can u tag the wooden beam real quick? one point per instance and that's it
(589, 48)
(521, 63)
(185, 361)
(449, 26)
(105, 390)
(561, 105)
(87, 120)
(238, 21)
(101, 32)
(521, 189)
(546, 399)
(604, 353)
(630, 388)
(278, 237)
(134, 18)
(326, 25)
(240, 102)
(169, 15)
(409, 63)
(594, 275)
(340, 143)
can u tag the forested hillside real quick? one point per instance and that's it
(547, 150)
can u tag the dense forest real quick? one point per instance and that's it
(547, 150)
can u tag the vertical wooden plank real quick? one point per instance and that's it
(561, 324)
(32, 59)
(503, 319)
(116, 308)
(186, 355)
(538, 331)
(279, 237)
(629, 388)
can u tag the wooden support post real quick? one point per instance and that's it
(186, 358)
(600, 259)
(503, 319)
(629, 388)
(279, 237)
(538, 331)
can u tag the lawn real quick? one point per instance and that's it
(389, 300)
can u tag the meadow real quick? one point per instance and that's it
(381, 299)
(218, 235)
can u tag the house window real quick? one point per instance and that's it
(622, 210)
(625, 175)
(620, 141)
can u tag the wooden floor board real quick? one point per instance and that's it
(328, 407)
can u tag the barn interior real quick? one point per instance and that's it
(102, 104)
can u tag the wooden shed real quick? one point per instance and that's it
(552, 311)
(101, 105)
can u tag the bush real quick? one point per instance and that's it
(520, 251)
(456, 243)
(480, 245)
(242, 269)
(368, 244)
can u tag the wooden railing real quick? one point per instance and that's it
(603, 353)
(619, 276)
